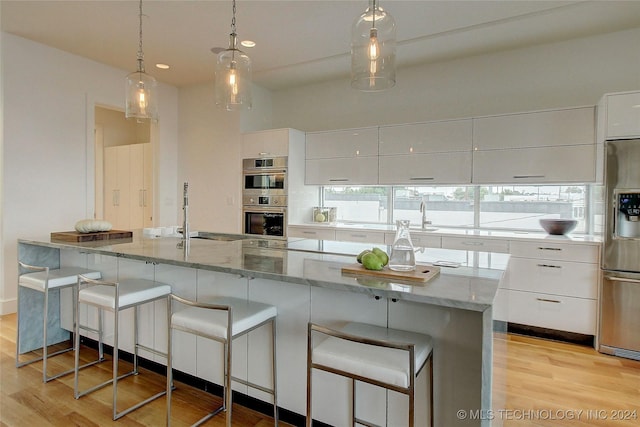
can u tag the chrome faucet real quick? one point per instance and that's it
(185, 217)
(423, 210)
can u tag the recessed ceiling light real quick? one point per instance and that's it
(248, 43)
(162, 66)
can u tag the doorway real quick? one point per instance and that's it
(123, 170)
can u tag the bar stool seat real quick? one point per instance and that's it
(389, 358)
(218, 319)
(116, 297)
(44, 279)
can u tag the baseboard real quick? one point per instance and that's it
(242, 399)
(8, 306)
(546, 333)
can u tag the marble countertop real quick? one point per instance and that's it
(470, 286)
(462, 232)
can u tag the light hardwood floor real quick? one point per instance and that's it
(537, 383)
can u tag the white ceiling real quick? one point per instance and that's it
(299, 41)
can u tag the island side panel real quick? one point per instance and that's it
(31, 302)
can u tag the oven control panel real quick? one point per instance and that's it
(264, 201)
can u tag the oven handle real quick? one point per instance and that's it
(621, 279)
(265, 210)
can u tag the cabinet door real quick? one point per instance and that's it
(426, 169)
(345, 171)
(136, 185)
(536, 129)
(434, 137)
(147, 187)
(535, 165)
(343, 143)
(111, 186)
(623, 115)
(265, 143)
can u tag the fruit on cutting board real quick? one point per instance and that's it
(382, 255)
(373, 259)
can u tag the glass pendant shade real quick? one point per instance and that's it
(141, 89)
(233, 78)
(373, 50)
(141, 96)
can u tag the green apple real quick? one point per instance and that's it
(361, 254)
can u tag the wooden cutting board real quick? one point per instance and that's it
(422, 273)
(74, 236)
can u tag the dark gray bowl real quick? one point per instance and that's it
(558, 226)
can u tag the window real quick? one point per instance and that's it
(503, 207)
(358, 204)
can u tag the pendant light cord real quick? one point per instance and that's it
(233, 19)
(140, 53)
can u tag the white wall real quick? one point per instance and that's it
(48, 117)
(572, 73)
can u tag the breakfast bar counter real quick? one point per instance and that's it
(303, 279)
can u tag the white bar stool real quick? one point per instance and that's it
(44, 279)
(376, 355)
(116, 297)
(218, 319)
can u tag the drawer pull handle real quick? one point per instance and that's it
(338, 179)
(527, 176)
(421, 178)
(473, 243)
(542, 248)
(555, 301)
(621, 279)
(309, 232)
(359, 235)
(549, 266)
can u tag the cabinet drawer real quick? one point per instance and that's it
(426, 169)
(342, 143)
(535, 165)
(311, 233)
(554, 312)
(475, 244)
(555, 251)
(419, 240)
(566, 278)
(360, 236)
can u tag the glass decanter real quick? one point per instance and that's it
(402, 255)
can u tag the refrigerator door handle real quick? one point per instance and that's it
(621, 279)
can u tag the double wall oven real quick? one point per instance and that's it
(264, 196)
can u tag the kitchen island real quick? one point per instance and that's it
(303, 279)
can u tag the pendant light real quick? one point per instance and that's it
(141, 89)
(233, 74)
(373, 50)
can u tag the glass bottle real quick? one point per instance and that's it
(402, 254)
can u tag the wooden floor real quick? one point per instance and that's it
(536, 383)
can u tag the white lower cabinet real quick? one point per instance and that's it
(475, 244)
(551, 285)
(363, 236)
(311, 232)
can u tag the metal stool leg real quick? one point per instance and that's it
(274, 373)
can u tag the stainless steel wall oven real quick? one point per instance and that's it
(264, 197)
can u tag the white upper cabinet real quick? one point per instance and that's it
(426, 169)
(535, 165)
(575, 126)
(419, 138)
(619, 116)
(342, 171)
(269, 143)
(342, 143)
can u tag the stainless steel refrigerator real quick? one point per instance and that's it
(619, 332)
